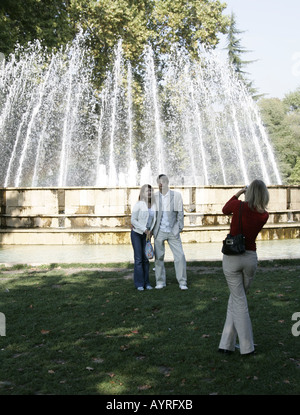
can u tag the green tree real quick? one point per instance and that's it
(235, 51)
(107, 21)
(292, 101)
(23, 21)
(282, 122)
(187, 23)
(295, 175)
(138, 22)
(292, 105)
(158, 22)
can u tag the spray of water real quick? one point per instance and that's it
(195, 122)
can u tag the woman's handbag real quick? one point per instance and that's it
(149, 250)
(235, 245)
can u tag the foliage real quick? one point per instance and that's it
(160, 23)
(187, 23)
(295, 175)
(108, 21)
(79, 330)
(235, 49)
(292, 100)
(24, 21)
(282, 120)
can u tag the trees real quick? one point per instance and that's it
(160, 23)
(234, 47)
(138, 22)
(282, 120)
(186, 23)
(235, 50)
(24, 21)
(107, 21)
(292, 105)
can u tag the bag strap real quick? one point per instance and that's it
(240, 217)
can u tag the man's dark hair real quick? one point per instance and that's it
(164, 176)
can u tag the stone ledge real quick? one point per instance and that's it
(116, 236)
(127, 229)
(77, 221)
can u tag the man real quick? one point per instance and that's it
(169, 224)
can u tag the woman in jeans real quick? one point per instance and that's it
(142, 221)
(239, 270)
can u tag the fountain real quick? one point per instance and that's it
(197, 123)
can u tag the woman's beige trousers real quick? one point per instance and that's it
(239, 271)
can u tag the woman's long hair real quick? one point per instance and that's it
(257, 195)
(142, 193)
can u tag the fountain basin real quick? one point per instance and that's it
(66, 216)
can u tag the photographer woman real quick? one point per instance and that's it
(239, 270)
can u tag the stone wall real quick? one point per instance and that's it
(102, 215)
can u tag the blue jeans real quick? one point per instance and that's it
(141, 262)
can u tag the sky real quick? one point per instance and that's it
(272, 35)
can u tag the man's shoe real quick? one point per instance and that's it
(249, 354)
(183, 287)
(225, 351)
(148, 287)
(159, 286)
(140, 288)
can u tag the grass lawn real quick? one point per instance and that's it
(78, 329)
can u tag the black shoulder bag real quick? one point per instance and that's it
(235, 245)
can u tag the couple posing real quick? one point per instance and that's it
(161, 215)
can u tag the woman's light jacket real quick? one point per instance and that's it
(140, 215)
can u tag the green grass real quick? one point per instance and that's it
(77, 329)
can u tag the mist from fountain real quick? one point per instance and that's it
(196, 122)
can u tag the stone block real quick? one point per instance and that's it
(111, 201)
(295, 198)
(278, 198)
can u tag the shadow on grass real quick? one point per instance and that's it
(74, 330)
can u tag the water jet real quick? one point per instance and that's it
(196, 122)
